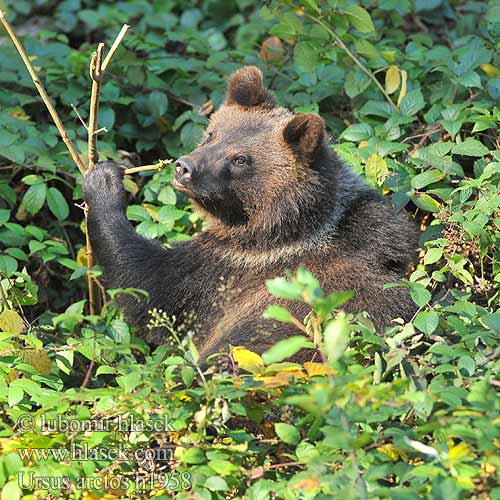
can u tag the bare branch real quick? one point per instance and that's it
(96, 75)
(115, 45)
(43, 94)
(157, 166)
(79, 117)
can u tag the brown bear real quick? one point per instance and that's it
(276, 196)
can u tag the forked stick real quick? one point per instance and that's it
(97, 68)
(95, 75)
(43, 94)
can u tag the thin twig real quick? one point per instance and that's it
(115, 45)
(43, 94)
(346, 49)
(157, 166)
(95, 75)
(79, 116)
(87, 375)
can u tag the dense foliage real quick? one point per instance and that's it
(410, 91)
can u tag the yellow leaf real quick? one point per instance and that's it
(19, 113)
(376, 169)
(280, 379)
(38, 359)
(362, 144)
(11, 322)
(392, 79)
(314, 369)
(402, 92)
(459, 451)
(152, 211)
(308, 484)
(491, 70)
(488, 468)
(81, 257)
(465, 482)
(389, 450)
(247, 360)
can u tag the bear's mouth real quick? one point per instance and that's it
(180, 186)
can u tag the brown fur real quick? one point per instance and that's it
(276, 197)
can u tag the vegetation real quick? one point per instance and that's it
(410, 91)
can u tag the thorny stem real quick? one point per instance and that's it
(43, 94)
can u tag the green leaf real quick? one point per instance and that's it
(157, 103)
(193, 456)
(34, 198)
(282, 288)
(467, 363)
(120, 331)
(426, 321)
(32, 179)
(360, 19)
(8, 265)
(426, 178)
(287, 433)
(412, 103)
(6, 138)
(425, 202)
(278, 313)
(419, 294)
(4, 215)
(64, 360)
(11, 491)
(187, 375)
(15, 395)
(216, 483)
(306, 56)
(433, 255)
(288, 27)
(284, 349)
(336, 337)
(106, 118)
(105, 370)
(57, 204)
(470, 147)
(357, 132)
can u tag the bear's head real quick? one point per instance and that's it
(255, 159)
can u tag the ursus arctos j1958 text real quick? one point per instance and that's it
(276, 197)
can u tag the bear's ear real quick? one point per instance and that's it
(246, 88)
(304, 133)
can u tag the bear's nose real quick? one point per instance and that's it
(183, 169)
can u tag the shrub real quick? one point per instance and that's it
(410, 91)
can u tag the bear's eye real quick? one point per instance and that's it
(240, 160)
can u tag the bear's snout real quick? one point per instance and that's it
(183, 171)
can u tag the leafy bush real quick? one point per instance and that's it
(410, 91)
